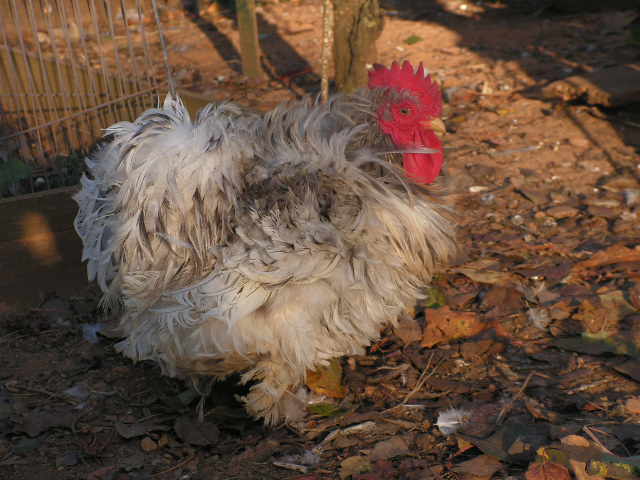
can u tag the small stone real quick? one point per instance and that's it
(517, 220)
(580, 142)
(562, 211)
(148, 444)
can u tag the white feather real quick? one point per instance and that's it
(450, 421)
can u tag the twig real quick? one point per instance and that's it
(421, 380)
(176, 466)
(518, 394)
(595, 439)
(74, 424)
(47, 392)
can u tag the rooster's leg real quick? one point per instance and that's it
(273, 399)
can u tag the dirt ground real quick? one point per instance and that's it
(533, 335)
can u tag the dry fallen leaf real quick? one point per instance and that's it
(36, 422)
(394, 447)
(444, 324)
(632, 405)
(327, 380)
(580, 451)
(408, 330)
(616, 301)
(481, 467)
(147, 444)
(500, 301)
(547, 471)
(193, 432)
(354, 465)
(595, 317)
(614, 254)
(480, 271)
(131, 430)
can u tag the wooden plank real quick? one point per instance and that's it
(39, 249)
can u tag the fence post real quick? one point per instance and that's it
(249, 46)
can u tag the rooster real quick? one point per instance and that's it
(268, 244)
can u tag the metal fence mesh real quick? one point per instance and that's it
(69, 68)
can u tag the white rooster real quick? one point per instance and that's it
(267, 245)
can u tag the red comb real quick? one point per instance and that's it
(406, 78)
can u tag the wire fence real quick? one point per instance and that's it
(68, 69)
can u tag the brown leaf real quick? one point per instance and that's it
(537, 410)
(444, 325)
(614, 254)
(131, 430)
(500, 301)
(616, 302)
(547, 471)
(484, 270)
(634, 295)
(561, 310)
(102, 473)
(327, 380)
(632, 405)
(196, 433)
(37, 422)
(580, 451)
(148, 444)
(408, 330)
(595, 317)
(483, 466)
(394, 447)
(630, 368)
(353, 465)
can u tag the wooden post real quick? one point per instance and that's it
(327, 47)
(249, 46)
(358, 24)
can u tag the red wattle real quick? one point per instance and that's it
(424, 167)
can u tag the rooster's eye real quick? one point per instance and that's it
(405, 111)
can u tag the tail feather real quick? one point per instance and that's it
(162, 192)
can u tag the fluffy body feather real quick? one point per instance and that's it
(262, 245)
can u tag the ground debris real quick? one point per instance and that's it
(534, 332)
(611, 87)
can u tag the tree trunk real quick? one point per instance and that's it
(249, 46)
(358, 24)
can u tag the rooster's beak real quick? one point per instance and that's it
(436, 125)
